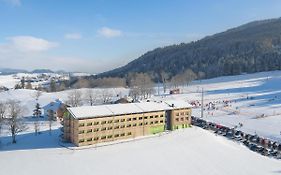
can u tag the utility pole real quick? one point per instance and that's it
(202, 103)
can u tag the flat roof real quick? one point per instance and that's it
(122, 109)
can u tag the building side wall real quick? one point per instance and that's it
(180, 118)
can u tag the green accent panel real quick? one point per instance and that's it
(180, 126)
(156, 129)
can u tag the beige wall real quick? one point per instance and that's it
(180, 118)
(104, 129)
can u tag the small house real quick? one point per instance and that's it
(56, 109)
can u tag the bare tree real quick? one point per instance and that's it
(90, 96)
(189, 76)
(15, 118)
(37, 94)
(74, 98)
(106, 96)
(2, 115)
(164, 78)
(144, 83)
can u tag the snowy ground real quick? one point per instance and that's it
(255, 102)
(189, 151)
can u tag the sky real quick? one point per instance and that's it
(98, 35)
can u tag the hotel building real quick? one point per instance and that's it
(90, 125)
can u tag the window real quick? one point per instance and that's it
(135, 118)
(116, 135)
(177, 119)
(182, 119)
(129, 133)
(116, 127)
(122, 135)
(146, 123)
(109, 128)
(162, 115)
(116, 121)
(109, 137)
(122, 126)
(145, 117)
(123, 120)
(186, 118)
(110, 121)
(151, 117)
(140, 124)
(129, 125)
(177, 114)
(96, 123)
(161, 121)
(186, 113)
(96, 138)
(81, 124)
(103, 129)
(81, 140)
(89, 124)
(134, 124)
(89, 130)
(96, 129)
(81, 132)
(103, 137)
(182, 113)
(151, 123)
(129, 119)
(156, 122)
(89, 139)
(156, 116)
(140, 118)
(103, 122)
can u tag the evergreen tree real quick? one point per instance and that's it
(37, 113)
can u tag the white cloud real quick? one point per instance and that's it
(109, 33)
(74, 36)
(30, 44)
(13, 2)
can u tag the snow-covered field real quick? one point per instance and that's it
(189, 151)
(255, 101)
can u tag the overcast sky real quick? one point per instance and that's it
(98, 35)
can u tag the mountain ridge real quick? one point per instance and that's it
(252, 47)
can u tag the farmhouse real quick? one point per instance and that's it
(56, 108)
(89, 125)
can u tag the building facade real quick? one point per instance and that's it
(96, 124)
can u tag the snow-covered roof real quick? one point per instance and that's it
(120, 109)
(54, 106)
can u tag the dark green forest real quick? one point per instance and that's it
(253, 47)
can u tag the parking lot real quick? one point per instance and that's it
(263, 146)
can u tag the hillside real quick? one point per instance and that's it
(253, 47)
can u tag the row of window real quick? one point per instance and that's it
(105, 137)
(181, 119)
(182, 113)
(120, 126)
(120, 120)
